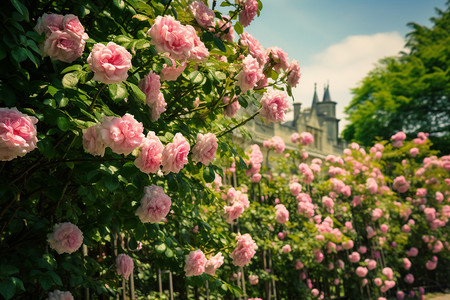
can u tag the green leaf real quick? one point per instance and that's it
(136, 91)
(168, 253)
(141, 17)
(111, 183)
(18, 283)
(7, 289)
(70, 80)
(132, 243)
(160, 248)
(19, 54)
(63, 123)
(2, 53)
(237, 292)
(242, 101)
(117, 92)
(208, 174)
(46, 281)
(18, 6)
(196, 77)
(238, 28)
(55, 277)
(7, 270)
(219, 43)
(72, 68)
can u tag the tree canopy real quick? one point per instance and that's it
(409, 92)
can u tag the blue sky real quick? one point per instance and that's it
(338, 41)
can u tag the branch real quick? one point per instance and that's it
(167, 6)
(238, 125)
(91, 107)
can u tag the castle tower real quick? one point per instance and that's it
(326, 111)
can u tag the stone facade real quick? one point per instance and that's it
(319, 119)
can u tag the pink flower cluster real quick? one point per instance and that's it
(60, 295)
(253, 279)
(239, 202)
(17, 133)
(202, 14)
(214, 263)
(232, 106)
(64, 36)
(204, 150)
(171, 73)
(155, 205)
(181, 42)
(124, 265)
(174, 155)
(250, 74)
(195, 263)
(400, 184)
(65, 238)
(295, 188)
(109, 63)
(305, 205)
(254, 47)
(255, 160)
(274, 105)
(305, 138)
(150, 154)
(307, 173)
(279, 58)
(281, 214)
(244, 251)
(151, 86)
(249, 11)
(398, 139)
(276, 143)
(293, 74)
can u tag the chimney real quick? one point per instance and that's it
(297, 108)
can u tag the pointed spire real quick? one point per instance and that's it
(326, 94)
(315, 97)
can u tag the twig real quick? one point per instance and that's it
(91, 107)
(238, 125)
(167, 6)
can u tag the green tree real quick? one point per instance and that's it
(408, 93)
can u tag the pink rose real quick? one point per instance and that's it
(378, 281)
(244, 250)
(250, 74)
(279, 57)
(409, 278)
(431, 264)
(361, 271)
(282, 214)
(354, 257)
(92, 141)
(150, 154)
(202, 14)
(254, 47)
(171, 73)
(17, 133)
(204, 150)
(65, 36)
(109, 63)
(225, 24)
(295, 137)
(412, 252)
(234, 211)
(255, 160)
(155, 205)
(214, 263)
(122, 135)
(195, 263)
(199, 51)
(286, 248)
(253, 279)
(249, 11)
(274, 106)
(347, 245)
(371, 264)
(400, 184)
(384, 228)
(59, 295)
(230, 109)
(295, 188)
(299, 265)
(413, 152)
(293, 74)
(124, 265)
(388, 273)
(151, 85)
(256, 178)
(65, 238)
(306, 138)
(406, 263)
(175, 154)
(398, 139)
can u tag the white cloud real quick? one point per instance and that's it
(344, 65)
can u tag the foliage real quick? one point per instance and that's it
(408, 93)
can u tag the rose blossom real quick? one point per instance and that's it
(171, 73)
(60, 295)
(92, 141)
(231, 108)
(199, 52)
(282, 214)
(295, 137)
(174, 155)
(388, 273)
(253, 279)
(195, 263)
(225, 24)
(286, 248)
(412, 252)
(378, 281)
(371, 264)
(306, 138)
(124, 265)
(122, 135)
(214, 263)
(295, 188)
(293, 74)
(254, 47)
(354, 257)
(409, 278)
(109, 63)
(400, 184)
(279, 57)
(244, 250)
(204, 150)
(233, 212)
(255, 160)
(398, 139)
(431, 264)
(65, 36)
(202, 14)
(65, 238)
(150, 154)
(274, 106)
(361, 271)
(347, 245)
(155, 205)
(17, 133)
(151, 86)
(249, 11)
(250, 74)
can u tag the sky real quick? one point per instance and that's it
(338, 41)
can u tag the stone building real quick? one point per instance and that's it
(319, 119)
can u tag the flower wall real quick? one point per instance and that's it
(119, 173)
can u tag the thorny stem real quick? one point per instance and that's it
(238, 125)
(91, 107)
(165, 8)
